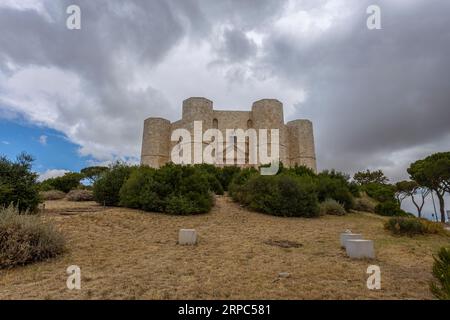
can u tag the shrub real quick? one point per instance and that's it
(413, 226)
(280, 195)
(226, 175)
(331, 207)
(390, 208)
(80, 195)
(173, 189)
(67, 182)
(18, 183)
(52, 195)
(236, 187)
(441, 272)
(380, 192)
(25, 238)
(107, 186)
(405, 226)
(334, 185)
(364, 204)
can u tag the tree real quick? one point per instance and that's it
(18, 183)
(93, 173)
(69, 181)
(412, 189)
(366, 177)
(433, 172)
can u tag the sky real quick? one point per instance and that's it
(378, 99)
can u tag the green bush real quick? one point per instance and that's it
(107, 187)
(380, 192)
(18, 184)
(390, 208)
(441, 272)
(172, 189)
(281, 195)
(25, 238)
(226, 175)
(331, 207)
(405, 226)
(411, 226)
(236, 187)
(67, 182)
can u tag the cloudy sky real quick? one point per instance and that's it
(377, 98)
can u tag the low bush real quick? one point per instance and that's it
(334, 185)
(172, 189)
(52, 195)
(80, 195)
(107, 187)
(25, 238)
(236, 187)
(391, 209)
(364, 204)
(65, 183)
(18, 183)
(411, 226)
(331, 207)
(280, 195)
(441, 272)
(380, 192)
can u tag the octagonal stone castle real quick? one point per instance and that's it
(296, 139)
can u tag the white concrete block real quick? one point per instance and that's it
(349, 236)
(360, 249)
(187, 236)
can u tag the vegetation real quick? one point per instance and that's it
(368, 177)
(433, 172)
(280, 195)
(107, 187)
(332, 207)
(441, 272)
(80, 195)
(65, 183)
(364, 203)
(412, 189)
(92, 174)
(173, 189)
(18, 183)
(390, 208)
(25, 239)
(411, 226)
(52, 195)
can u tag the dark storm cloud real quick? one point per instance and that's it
(371, 93)
(377, 98)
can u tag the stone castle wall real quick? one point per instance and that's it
(296, 137)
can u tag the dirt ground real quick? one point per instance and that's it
(130, 254)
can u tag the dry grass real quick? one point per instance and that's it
(129, 254)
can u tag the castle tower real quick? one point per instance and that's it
(268, 114)
(156, 142)
(301, 144)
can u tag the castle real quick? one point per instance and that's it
(296, 139)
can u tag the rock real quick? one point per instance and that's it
(284, 275)
(347, 236)
(187, 237)
(360, 249)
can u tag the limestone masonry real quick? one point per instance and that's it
(296, 137)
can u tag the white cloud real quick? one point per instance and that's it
(43, 140)
(53, 173)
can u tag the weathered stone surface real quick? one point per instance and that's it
(187, 237)
(349, 236)
(360, 249)
(296, 137)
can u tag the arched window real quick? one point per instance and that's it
(249, 124)
(215, 124)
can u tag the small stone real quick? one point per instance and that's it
(187, 237)
(284, 275)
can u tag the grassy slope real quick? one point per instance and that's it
(128, 254)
